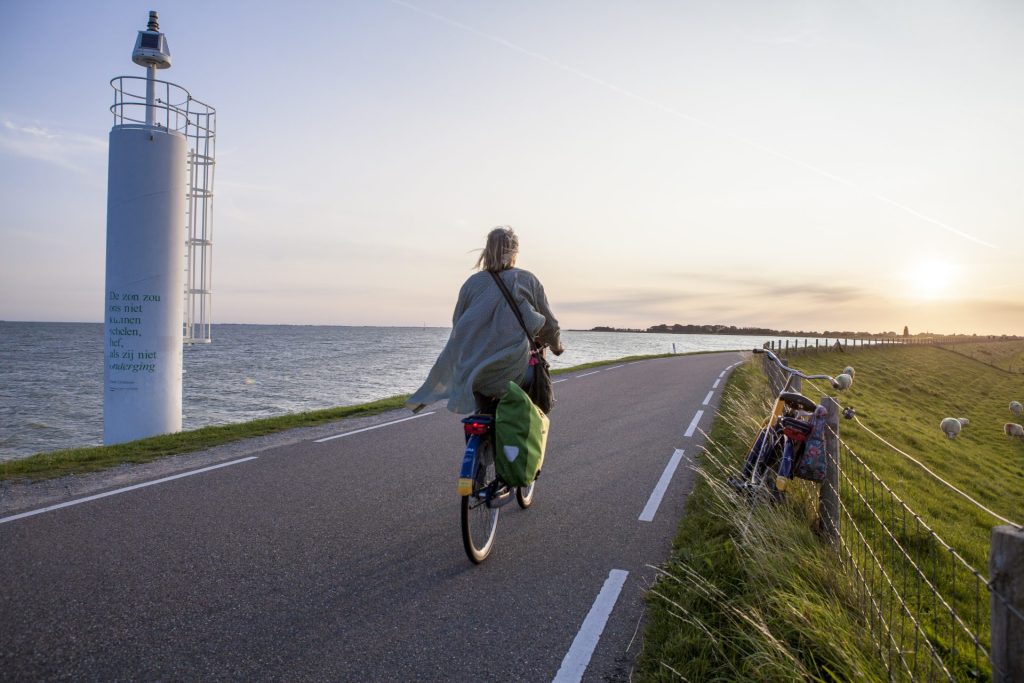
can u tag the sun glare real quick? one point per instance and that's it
(931, 279)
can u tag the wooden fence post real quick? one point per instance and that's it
(828, 497)
(1006, 576)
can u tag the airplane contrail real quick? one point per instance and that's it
(686, 117)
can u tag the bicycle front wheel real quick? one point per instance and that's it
(480, 522)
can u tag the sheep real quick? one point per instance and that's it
(963, 421)
(843, 381)
(1012, 429)
(950, 427)
(848, 370)
(1016, 408)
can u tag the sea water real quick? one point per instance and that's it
(51, 374)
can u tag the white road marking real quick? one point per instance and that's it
(556, 381)
(659, 490)
(693, 423)
(717, 382)
(588, 374)
(634, 362)
(722, 373)
(122, 490)
(582, 649)
(616, 367)
(707, 399)
(366, 429)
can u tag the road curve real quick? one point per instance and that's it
(340, 559)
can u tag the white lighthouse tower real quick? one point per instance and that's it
(157, 296)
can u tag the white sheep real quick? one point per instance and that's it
(963, 421)
(1016, 408)
(950, 426)
(843, 381)
(1012, 429)
(848, 370)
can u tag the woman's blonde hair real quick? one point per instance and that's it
(501, 250)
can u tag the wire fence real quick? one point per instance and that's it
(899, 563)
(927, 610)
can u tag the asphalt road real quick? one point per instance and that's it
(342, 560)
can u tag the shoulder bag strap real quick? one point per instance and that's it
(512, 304)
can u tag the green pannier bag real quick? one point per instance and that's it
(521, 431)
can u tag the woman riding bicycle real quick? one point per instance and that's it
(487, 347)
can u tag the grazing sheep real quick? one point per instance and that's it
(844, 381)
(1013, 429)
(950, 427)
(963, 421)
(848, 370)
(1016, 408)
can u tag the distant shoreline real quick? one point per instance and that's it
(731, 330)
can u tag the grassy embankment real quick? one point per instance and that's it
(752, 594)
(1005, 355)
(96, 458)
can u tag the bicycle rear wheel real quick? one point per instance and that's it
(480, 522)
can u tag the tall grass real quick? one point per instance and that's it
(732, 562)
(750, 592)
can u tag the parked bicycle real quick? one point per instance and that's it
(781, 440)
(483, 492)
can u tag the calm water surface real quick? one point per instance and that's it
(51, 374)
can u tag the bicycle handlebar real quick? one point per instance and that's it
(794, 371)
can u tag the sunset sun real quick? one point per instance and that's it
(931, 279)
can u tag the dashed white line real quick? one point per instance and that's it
(707, 399)
(582, 649)
(616, 367)
(722, 373)
(366, 429)
(693, 423)
(122, 490)
(717, 382)
(588, 374)
(659, 490)
(556, 381)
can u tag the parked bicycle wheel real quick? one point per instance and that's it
(479, 522)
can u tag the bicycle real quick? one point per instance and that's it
(483, 492)
(780, 440)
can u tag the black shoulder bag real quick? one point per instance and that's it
(539, 389)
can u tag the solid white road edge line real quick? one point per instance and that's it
(588, 374)
(582, 649)
(366, 429)
(122, 490)
(693, 423)
(722, 373)
(658, 493)
(707, 399)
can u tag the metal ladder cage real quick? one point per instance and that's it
(201, 133)
(175, 110)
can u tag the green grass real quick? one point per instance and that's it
(1005, 355)
(95, 458)
(752, 594)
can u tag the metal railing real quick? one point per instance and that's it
(174, 110)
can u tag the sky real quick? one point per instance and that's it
(812, 165)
